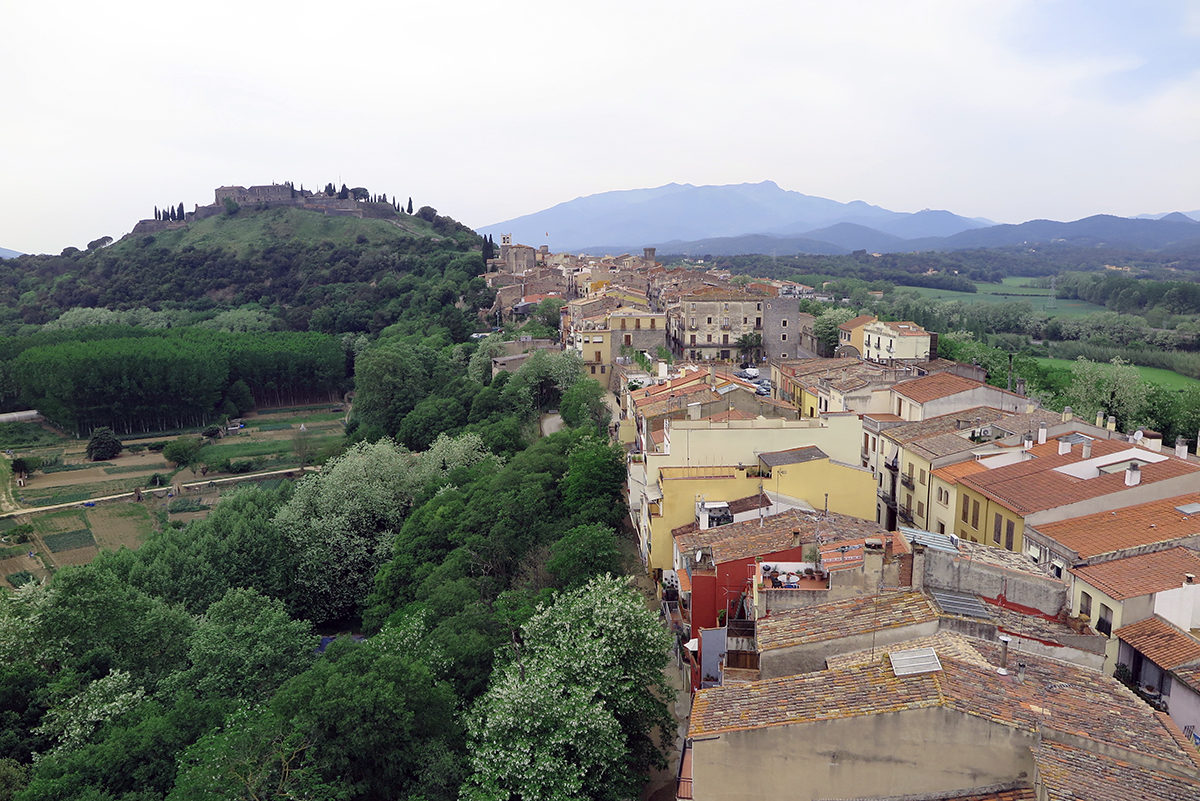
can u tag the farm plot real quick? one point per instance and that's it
(120, 525)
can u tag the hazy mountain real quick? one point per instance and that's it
(850, 236)
(1100, 229)
(734, 246)
(633, 219)
(1192, 215)
(5, 253)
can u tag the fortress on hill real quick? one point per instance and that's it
(271, 196)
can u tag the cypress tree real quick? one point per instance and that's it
(181, 212)
(410, 204)
(156, 213)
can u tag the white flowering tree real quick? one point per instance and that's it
(73, 722)
(580, 710)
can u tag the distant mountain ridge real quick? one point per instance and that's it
(5, 253)
(763, 218)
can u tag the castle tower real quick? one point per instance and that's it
(505, 244)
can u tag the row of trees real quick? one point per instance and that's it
(174, 378)
(171, 213)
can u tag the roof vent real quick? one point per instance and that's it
(1189, 508)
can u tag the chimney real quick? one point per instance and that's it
(1087, 450)
(1028, 440)
(1020, 672)
(1067, 414)
(1180, 448)
(873, 558)
(1004, 641)
(1100, 419)
(918, 563)
(1189, 578)
(1133, 475)
(1112, 423)
(712, 375)
(1063, 447)
(1152, 441)
(1041, 433)
(796, 543)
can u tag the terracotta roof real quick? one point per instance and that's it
(846, 554)
(700, 393)
(1011, 794)
(963, 421)
(1133, 576)
(1161, 643)
(857, 322)
(945, 642)
(999, 557)
(1035, 484)
(883, 417)
(1071, 774)
(932, 387)
(951, 473)
(1189, 675)
(841, 619)
(905, 328)
(737, 506)
(772, 534)
(1130, 527)
(1052, 697)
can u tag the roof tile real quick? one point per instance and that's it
(1133, 576)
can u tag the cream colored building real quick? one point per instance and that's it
(891, 341)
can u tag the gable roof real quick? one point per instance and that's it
(935, 386)
(806, 453)
(847, 618)
(1133, 576)
(857, 322)
(1130, 527)
(776, 533)
(1045, 480)
(1069, 774)
(1161, 643)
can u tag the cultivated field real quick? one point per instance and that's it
(1151, 375)
(1015, 288)
(63, 531)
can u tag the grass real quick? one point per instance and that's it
(1151, 375)
(69, 540)
(58, 522)
(26, 435)
(1012, 290)
(19, 579)
(137, 468)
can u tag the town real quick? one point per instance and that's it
(886, 577)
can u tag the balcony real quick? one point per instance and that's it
(887, 498)
(906, 480)
(892, 464)
(905, 514)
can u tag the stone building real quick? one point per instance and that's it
(706, 324)
(787, 332)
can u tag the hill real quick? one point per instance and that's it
(5, 253)
(632, 219)
(293, 268)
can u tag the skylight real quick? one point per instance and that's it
(914, 661)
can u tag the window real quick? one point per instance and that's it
(602, 369)
(745, 320)
(758, 322)
(692, 323)
(758, 307)
(975, 515)
(783, 323)
(783, 355)
(637, 323)
(1104, 624)
(724, 339)
(693, 342)
(1009, 531)
(1085, 604)
(866, 442)
(783, 337)
(624, 322)
(996, 529)
(966, 506)
(710, 321)
(597, 357)
(922, 475)
(709, 337)
(652, 324)
(941, 528)
(629, 339)
(920, 508)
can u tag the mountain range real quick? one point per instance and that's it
(5, 253)
(764, 218)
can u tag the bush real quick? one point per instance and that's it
(211, 431)
(103, 445)
(135, 448)
(156, 447)
(20, 578)
(158, 480)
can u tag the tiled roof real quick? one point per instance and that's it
(1143, 574)
(1010, 794)
(1034, 484)
(999, 557)
(807, 453)
(840, 619)
(1073, 774)
(776, 533)
(701, 393)
(905, 328)
(962, 421)
(846, 554)
(737, 506)
(857, 322)
(951, 473)
(945, 642)
(932, 387)
(1160, 642)
(1121, 529)
(1051, 696)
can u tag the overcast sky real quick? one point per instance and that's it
(1007, 110)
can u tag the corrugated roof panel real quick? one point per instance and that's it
(941, 542)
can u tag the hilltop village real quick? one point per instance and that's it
(887, 577)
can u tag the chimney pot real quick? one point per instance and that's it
(1112, 423)
(1087, 450)
(1063, 447)
(1004, 641)
(1189, 578)
(1067, 414)
(1100, 419)
(1041, 433)
(1180, 448)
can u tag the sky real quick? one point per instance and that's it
(486, 111)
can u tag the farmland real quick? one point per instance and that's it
(1014, 288)
(1151, 375)
(68, 532)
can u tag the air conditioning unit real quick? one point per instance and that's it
(985, 432)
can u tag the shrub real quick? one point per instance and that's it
(103, 445)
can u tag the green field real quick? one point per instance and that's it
(69, 540)
(1014, 288)
(1151, 375)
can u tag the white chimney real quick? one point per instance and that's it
(1004, 641)
(1112, 423)
(1100, 419)
(1180, 448)
(1133, 475)
(1063, 447)
(1087, 450)
(1041, 433)
(1028, 440)
(1067, 414)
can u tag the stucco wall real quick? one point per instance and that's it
(810, 657)
(945, 571)
(892, 754)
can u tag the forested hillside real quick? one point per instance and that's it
(465, 552)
